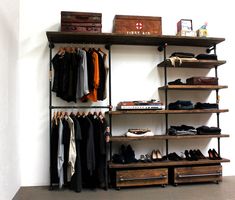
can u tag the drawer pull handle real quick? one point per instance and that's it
(146, 178)
(198, 175)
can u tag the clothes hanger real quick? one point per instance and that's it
(61, 51)
(62, 115)
(83, 114)
(100, 50)
(78, 114)
(95, 115)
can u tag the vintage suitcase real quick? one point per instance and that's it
(202, 81)
(81, 22)
(140, 25)
(81, 27)
(211, 173)
(141, 177)
(80, 17)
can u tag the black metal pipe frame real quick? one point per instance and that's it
(163, 48)
(108, 47)
(217, 100)
(51, 46)
(166, 94)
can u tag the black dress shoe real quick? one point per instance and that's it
(216, 155)
(193, 155)
(174, 157)
(210, 153)
(199, 154)
(187, 155)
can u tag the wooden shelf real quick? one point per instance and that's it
(206, 64)
(166, 163)
(165, 137)
(193, 87)
(194, 111)
(123, 39)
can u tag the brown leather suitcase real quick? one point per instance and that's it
(81, 27)
(139, 25)
(202, 81)
(80, 17)
(81, 22)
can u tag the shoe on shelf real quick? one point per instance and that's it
(216, 155)
(159, 155)
(142, 158)
(129, 155)
(211, 156)
(148, 158)
(154, 155)
(193, 155)
(199, 154)
(187, 155)
(174, 157)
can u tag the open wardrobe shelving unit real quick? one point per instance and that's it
(154, 173)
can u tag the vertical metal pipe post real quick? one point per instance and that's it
(51, 46)
(217, 101)
(110, 118)
(166, 95)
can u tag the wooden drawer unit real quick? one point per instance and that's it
(197, 174)
(141, 177)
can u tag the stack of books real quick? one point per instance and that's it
(140, 105)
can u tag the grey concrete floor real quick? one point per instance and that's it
(206, 191)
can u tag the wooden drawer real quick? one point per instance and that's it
(142, 177)
(197, 174)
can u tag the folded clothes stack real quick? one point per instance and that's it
(176, 82)
(190, 130)
(206, 57)
(182, 55)
(181, 105)
(182, 130)
(200, 105)
(187, 105)
(205, 130)
(177, 58)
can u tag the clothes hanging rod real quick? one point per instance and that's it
(75, 107)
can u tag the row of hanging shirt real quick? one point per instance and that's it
(80, 74)
(78, 150)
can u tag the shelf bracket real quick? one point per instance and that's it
(107, 46)
(51, 45)
(162, 47)
(211, 49)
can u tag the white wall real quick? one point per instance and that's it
(37, 17)
(9, 158)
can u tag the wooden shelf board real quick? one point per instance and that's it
(206, 64)
(193, 87)
(194, 111)
(124, 39)
(166, 163)
(164, 137)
